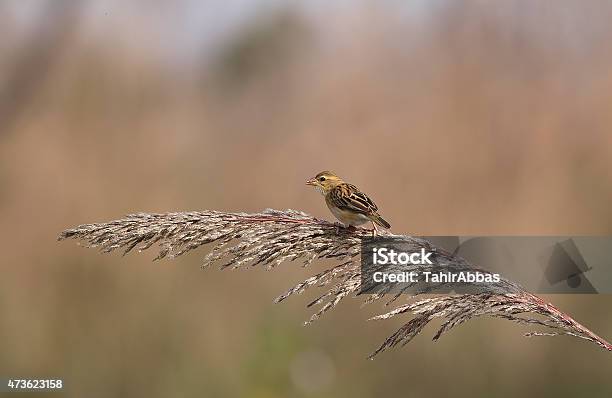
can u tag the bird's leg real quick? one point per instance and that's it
(375, 229)
(347, 227)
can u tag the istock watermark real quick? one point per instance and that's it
(476, 264)
(383, 256)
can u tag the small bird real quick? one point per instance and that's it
(346, 202)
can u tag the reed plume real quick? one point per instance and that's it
(272, 237)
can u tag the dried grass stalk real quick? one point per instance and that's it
(272, 237)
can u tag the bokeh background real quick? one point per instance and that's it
(458, 117)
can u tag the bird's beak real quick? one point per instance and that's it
(312, 181)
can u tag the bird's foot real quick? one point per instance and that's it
(340, 226)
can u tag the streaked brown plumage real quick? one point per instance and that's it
(346, 202)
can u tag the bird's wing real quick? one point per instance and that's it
(349, 197)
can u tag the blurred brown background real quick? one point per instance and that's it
(457, 117)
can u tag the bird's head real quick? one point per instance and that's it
(325, 181)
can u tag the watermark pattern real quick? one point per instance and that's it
(540, 264)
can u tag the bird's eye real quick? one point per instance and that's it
(321, 179)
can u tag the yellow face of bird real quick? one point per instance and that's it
(325, 181)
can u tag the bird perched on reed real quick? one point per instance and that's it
(346, 202)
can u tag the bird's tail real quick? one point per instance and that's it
(380, 221)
